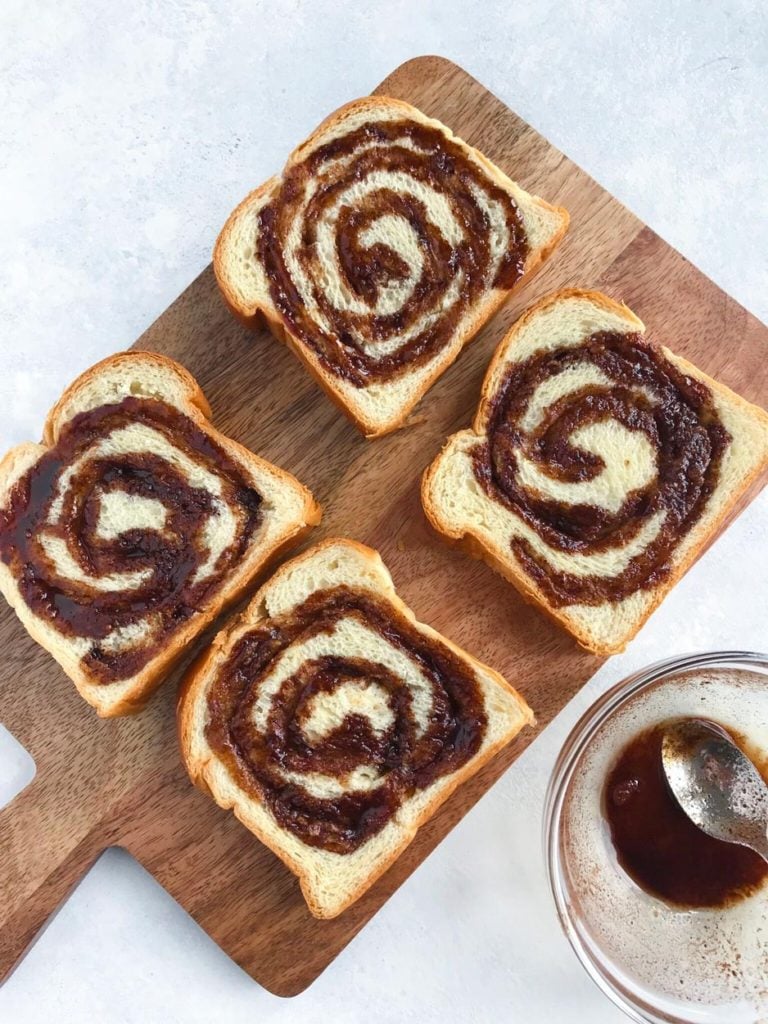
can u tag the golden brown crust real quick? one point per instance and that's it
(195, 679)
(188, 686)
(145, 683)
(501, 562)
(254, 317)
(248, 316)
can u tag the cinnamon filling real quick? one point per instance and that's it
(453, 273)
(59, 503)
(398, 758)
(646, 393)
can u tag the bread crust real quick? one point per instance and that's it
(133, 699)
(192, 688)
(501, 561)
(199, 409)
(256, 316)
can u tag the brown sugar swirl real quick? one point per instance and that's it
(124, 529)
(622, 380)
(338, 712)
(376, 244)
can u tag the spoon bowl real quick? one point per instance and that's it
(716, 784)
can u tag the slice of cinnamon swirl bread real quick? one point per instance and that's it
(383, 247)
(125, 533)
(334, 724)
(599, 466)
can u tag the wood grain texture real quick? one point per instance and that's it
(120, 782)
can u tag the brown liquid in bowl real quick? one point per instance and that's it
(659, 846)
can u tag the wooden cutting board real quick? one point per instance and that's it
(120, 782)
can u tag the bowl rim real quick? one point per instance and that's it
(568, 758)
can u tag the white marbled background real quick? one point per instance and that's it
(128, 132)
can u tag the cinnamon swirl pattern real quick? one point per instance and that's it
(338, 712)
(377, 243)
(669, 427)
(125, 529)
(598, 467)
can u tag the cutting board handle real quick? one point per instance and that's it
(37, 874)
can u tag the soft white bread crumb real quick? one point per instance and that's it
(288, 511)
(458, 506)
(332, 881)
(379, 407)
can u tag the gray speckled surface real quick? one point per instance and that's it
(128, 132)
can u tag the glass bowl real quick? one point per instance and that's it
(658, 962)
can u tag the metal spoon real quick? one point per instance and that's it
(716, 784)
